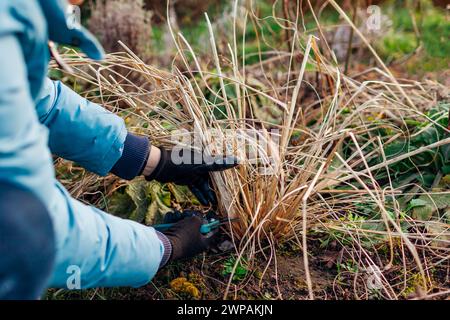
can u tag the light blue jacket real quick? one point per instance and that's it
(39, 117)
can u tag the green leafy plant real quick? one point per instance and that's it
(426, 205)
(430, 162)
(148, 202)
(241, 269)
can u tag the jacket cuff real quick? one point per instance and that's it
(134, 157)
(167, 248)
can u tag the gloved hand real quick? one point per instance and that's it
(186, 239)
(196, 176)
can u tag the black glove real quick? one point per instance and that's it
(196, 176)
(186, 239)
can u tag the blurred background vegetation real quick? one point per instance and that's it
(413, 39)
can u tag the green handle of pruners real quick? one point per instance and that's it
(163, 226)
(207, 227)
(204, 228)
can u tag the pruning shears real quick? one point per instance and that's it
(205, 228)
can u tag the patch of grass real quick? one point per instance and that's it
(396, 45)
(434, 32)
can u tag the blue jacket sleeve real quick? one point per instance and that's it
(89, 134)
(107, 251)
(104, 250)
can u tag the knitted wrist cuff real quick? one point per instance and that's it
(167, 248)
(134, 157)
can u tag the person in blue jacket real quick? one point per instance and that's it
(46, 236)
